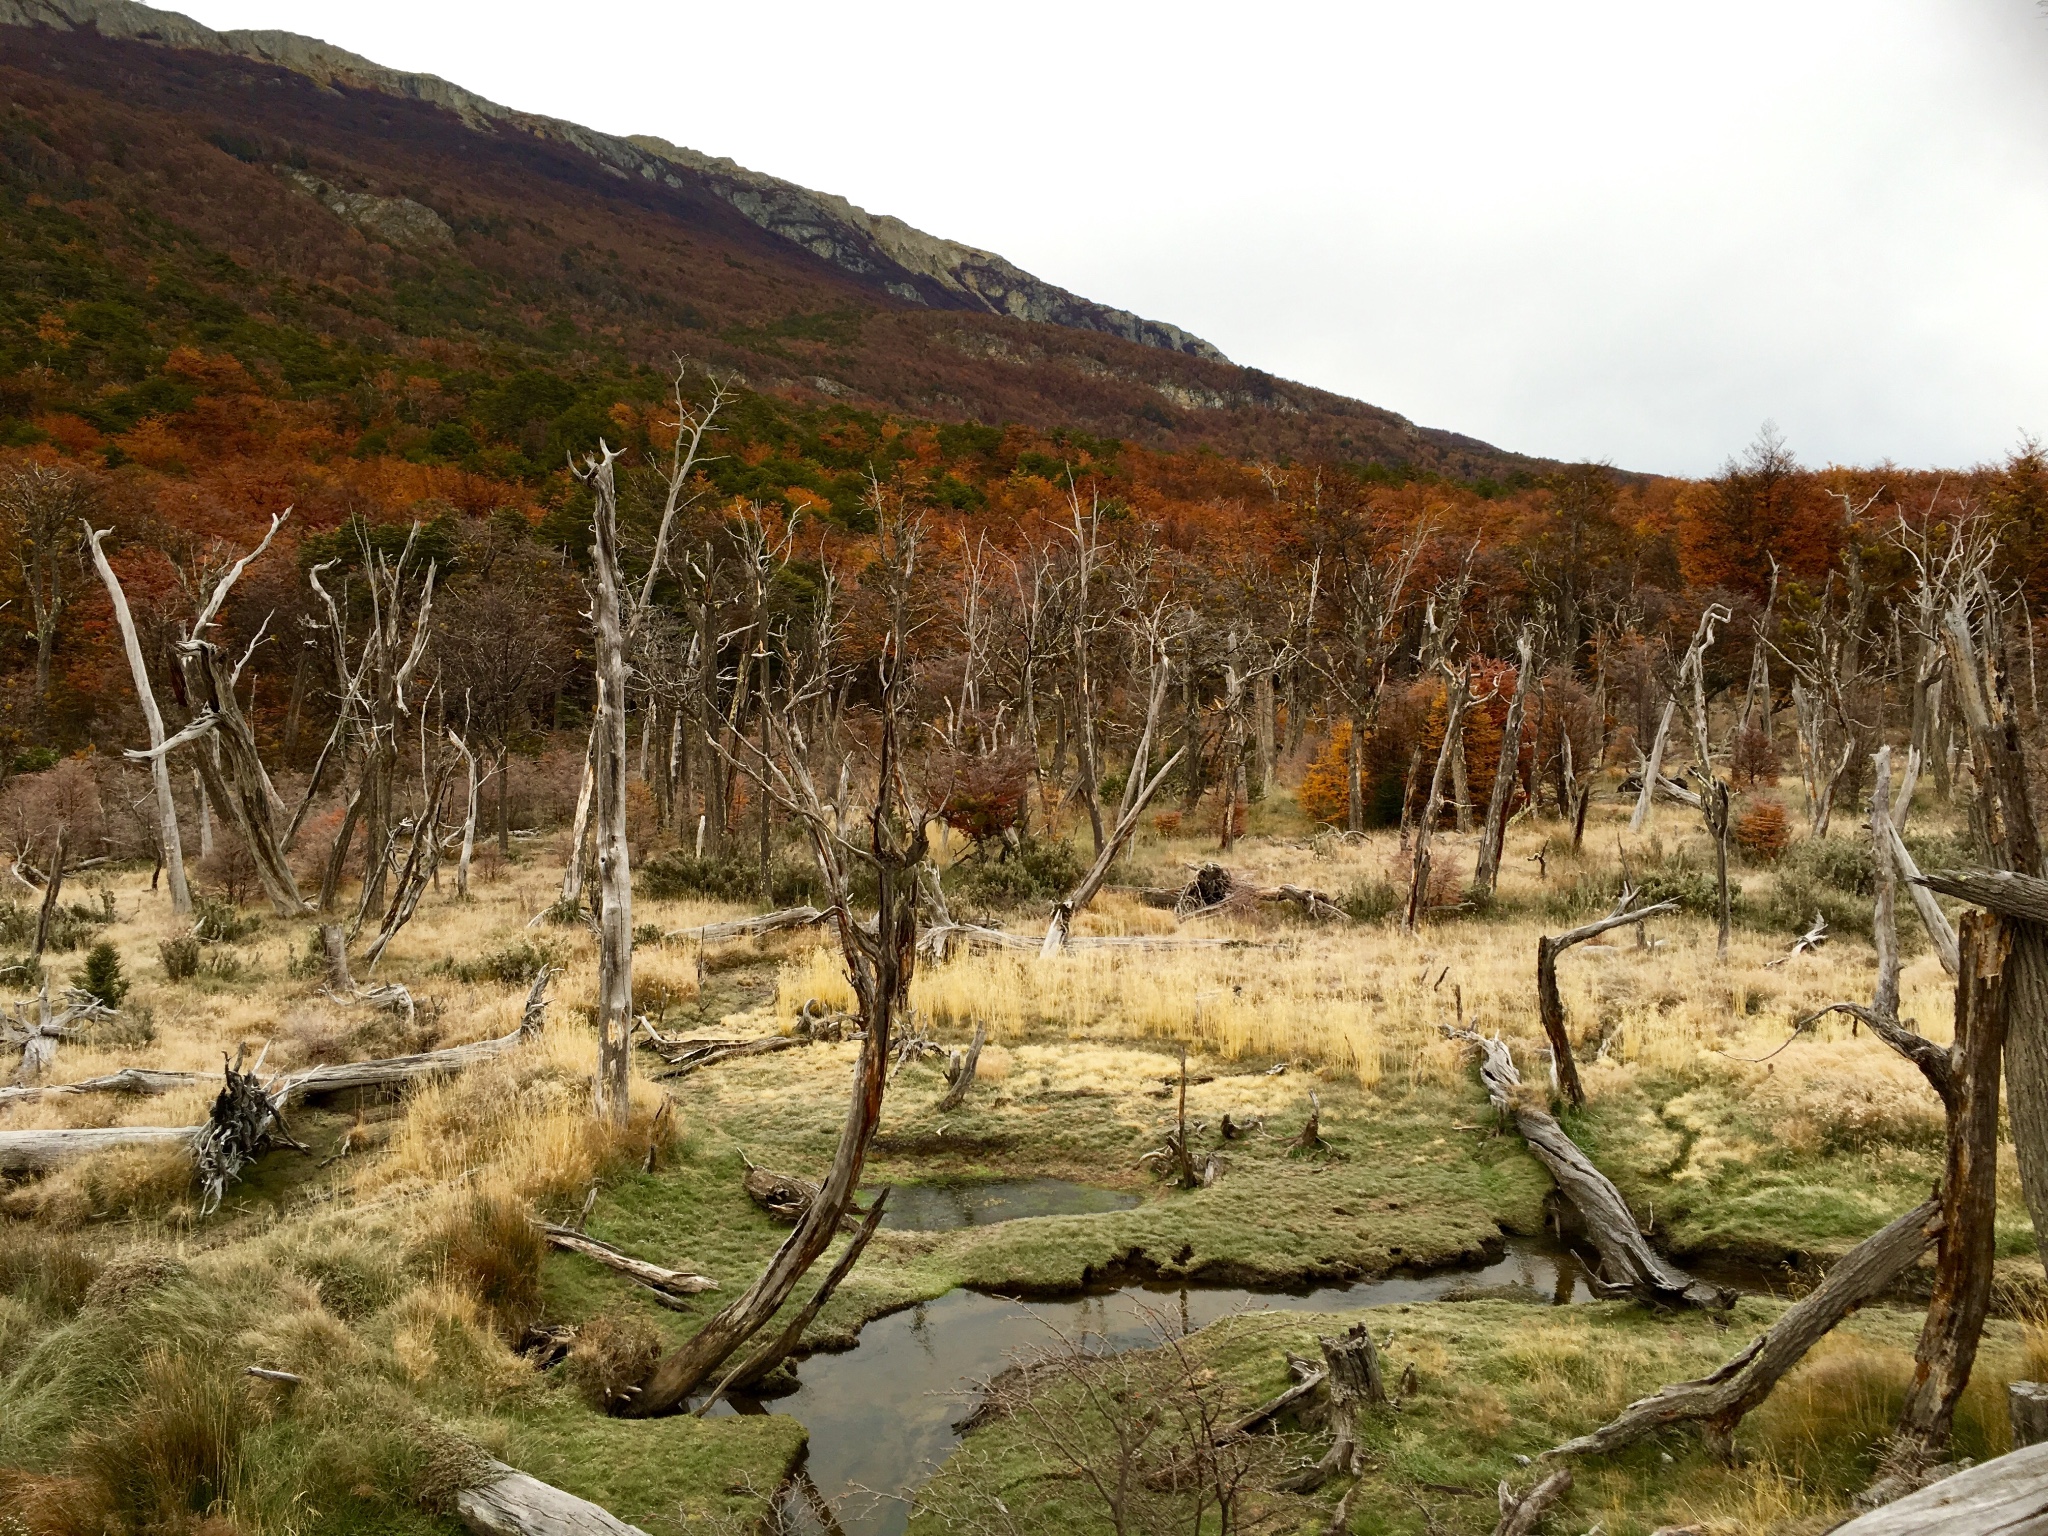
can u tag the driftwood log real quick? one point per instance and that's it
(1719, 1401)
(665, 1282)
(2026, 1405)
(685, 1057)
(510, 1503)
(2006, 1496)
(1627, 1261)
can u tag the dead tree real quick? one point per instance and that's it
(1550, 1001)
(1627, 1261)
(1155, 630)
(608, 736)
(1691, 670)
(1456, 700)
(880, 958)
(2005, 1496)
(1719, 1401)
(504, 1501)
(1487, 873)
(373, 696)
(1714, 805)
(962, 1070)
(1351, 1371)
(169, 845)
(422, 858)
(1366, 596)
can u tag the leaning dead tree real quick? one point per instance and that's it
(1550, 1001)
(1627, 1261)
(880, 957)
(169, 845)
(1457, 698)
(1493, 833)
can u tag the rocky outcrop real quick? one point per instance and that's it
(398, 222)
(913, 266)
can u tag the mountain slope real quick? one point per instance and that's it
(372, 208)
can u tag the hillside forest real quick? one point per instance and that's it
(648, 890)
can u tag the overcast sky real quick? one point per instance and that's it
(1625, 231)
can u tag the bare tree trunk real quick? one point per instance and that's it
(168, 842)
(1969, 1198)
(1355, 772)
(608, 760)
(579, 830)
(205, 815)
(1653, 768)
(53, 884)
(468, 817)
(1487, 875)
(1454, 714)
(1550, 1002)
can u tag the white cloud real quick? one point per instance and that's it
(1607, 230)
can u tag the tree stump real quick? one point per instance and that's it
(2027, 1404)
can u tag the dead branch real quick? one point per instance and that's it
(749, 927)
(1550, 1002)
(1520, 1514)
(962, 1071)
(668, 1282)
(1719, 1401)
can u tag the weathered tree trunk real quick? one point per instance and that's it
(655, 1277)
(1487, 874)
(1520, 1514)
(468, 817)
(2006, 1496)
(509, 1503)
(233, 770)
(1714, 802)
(963, 1080)
(1719, 1401)
(1626, 1258)
(53, 883)
(608, 754)
(579, 828)
(169, 846)
(1653, 768)
(777, 1349)
(1969, 1202)
(1550, 1001)
(1454, 714)
(1352, 1371)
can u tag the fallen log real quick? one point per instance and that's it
(147, 1081)
(2006, 1496)
(708, 1053)
(1718, 1401)
(1626, 1258)
(248, 1113)
(1309, 1378)
(670, 1282)
(936, 943)
(1520, 1514)
(40, 1151)
(510, 1503)
(784, 1196)
(749, 927)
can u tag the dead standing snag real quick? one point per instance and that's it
(1550, 1002)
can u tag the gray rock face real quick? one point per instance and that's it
(911, 265)
(396, 221)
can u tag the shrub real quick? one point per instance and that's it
(231, 870)
(612, 1355)
(512, 965)
(102, 976)
(1373, 899)
(489, 1247)
(1754, 759)
(46, 1270)
(1040, 869)
(217, 921)
(1763, 830)
(176, 1452)
(671, 875)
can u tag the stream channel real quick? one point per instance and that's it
(881, 1414)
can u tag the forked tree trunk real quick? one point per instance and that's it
(1653, 768)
